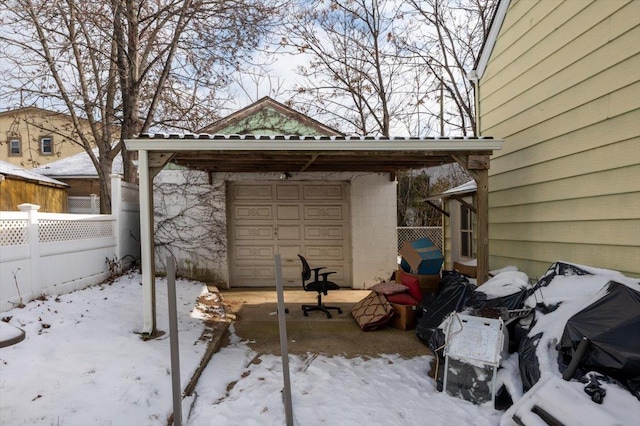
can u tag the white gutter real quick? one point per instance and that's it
(476, 74)
(333, 144)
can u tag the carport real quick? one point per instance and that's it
(280, 154)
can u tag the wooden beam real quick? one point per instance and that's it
(478, 162)
(314, 157)
(482, 240)
(463, 160)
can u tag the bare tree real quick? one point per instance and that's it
(353, 75)
(126, 66)
(445, 38)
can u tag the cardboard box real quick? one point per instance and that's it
(404, 317)
(468, 270)
(421, 257)
(428, 283)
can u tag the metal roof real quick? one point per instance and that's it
(9, 169)
(293, 153)
(465, 189)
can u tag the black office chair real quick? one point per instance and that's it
(320, 284)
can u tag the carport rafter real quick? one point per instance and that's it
(284, 153)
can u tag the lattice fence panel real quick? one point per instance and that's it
(13, 232)
(84, 205)
(412, 233)
(63, 230)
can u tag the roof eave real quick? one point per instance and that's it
(487, 48)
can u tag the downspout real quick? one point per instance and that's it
(475, 80)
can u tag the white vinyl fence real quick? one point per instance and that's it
(51, 253)
(84, 205)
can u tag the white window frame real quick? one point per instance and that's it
(466, 232)
(15, 141)
(42, 145)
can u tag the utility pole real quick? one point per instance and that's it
(441, 107)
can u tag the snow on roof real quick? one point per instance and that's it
(9, 169)
(77, 165)
(470, 186)
(465, 188)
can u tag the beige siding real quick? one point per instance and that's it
(562, 87)
(31, 124)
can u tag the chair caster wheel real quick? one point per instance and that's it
(339, 311)
(328, 315)
(306, 314)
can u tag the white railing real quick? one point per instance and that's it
(412, 233)
(52, 253)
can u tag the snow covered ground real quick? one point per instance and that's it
(82, 363)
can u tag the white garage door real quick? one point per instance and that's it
(310, 218)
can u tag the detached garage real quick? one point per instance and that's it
(330, 198)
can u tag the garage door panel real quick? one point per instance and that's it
(289, 253)
(288, 212)
(291, 266)
(291, 275)
(289, 232)
(252, 192)
(324, 253)
(324, 232)
(257, 275)
(253, 254)
(320, 212)
(288, 192)
(250, 233)
(323, 192)
(253, 213)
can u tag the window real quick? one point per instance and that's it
(46, 145)
(15, 147)
(466, 232)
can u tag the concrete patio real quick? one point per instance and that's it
(257, 322)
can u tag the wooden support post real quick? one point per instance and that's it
(482, 240)
(478, 167)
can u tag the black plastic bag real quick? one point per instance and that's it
(612, 326)
(454, 296)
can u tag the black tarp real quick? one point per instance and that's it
(528, 361)
(559, 268)
(612, 326)
(511, 301)
(454, 293)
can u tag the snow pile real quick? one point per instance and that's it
(83, 363)
(504, 284)
(564, 291)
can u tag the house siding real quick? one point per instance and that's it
(30, 124)
(562, 87)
